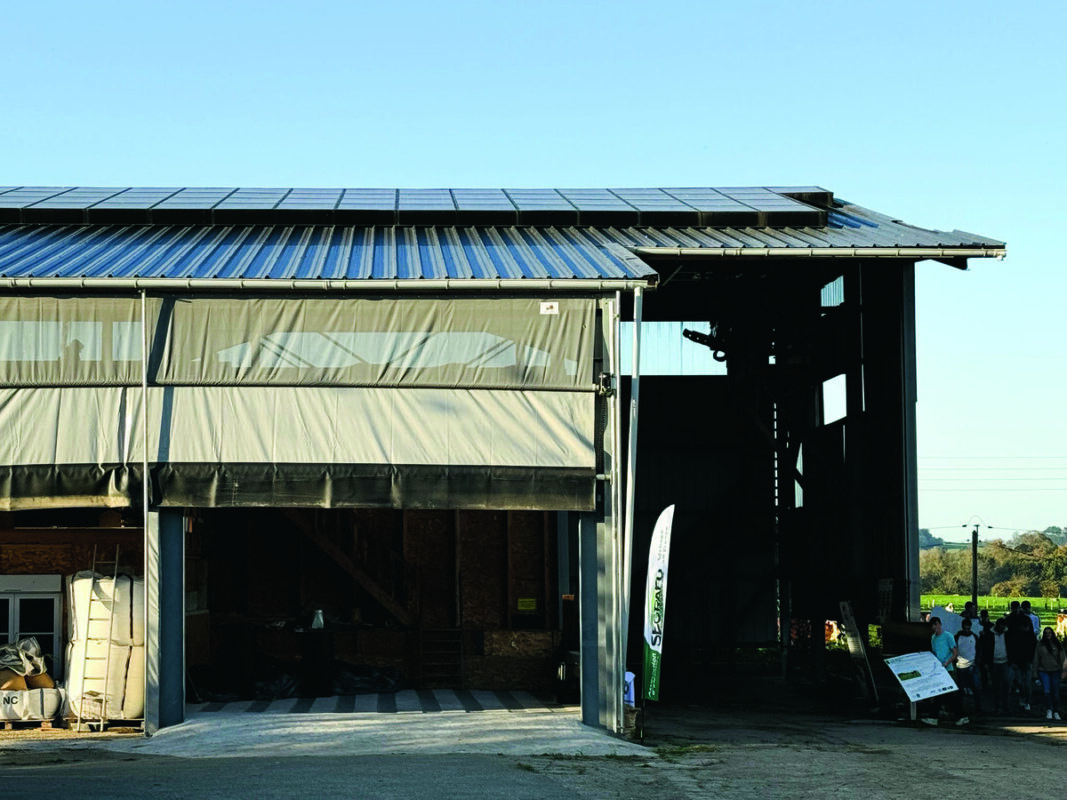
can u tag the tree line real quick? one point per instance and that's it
(1030, 564)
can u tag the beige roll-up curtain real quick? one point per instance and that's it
(524, 342)
(402, 402)
(70, 341)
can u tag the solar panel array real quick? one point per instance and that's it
(719, 207)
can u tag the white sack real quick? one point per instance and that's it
(113, 598)
(102, 699)
(31, 704)
(133, 699)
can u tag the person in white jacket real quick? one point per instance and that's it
(967, 664)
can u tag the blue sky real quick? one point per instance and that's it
(947, 115)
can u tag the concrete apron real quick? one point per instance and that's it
(286, 728)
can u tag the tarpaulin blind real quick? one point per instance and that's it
(500, 342)
(406, 402)
(522, 343)
(70, 341)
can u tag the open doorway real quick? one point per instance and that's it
(313, 602)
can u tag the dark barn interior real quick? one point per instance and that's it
(782, 511)
(408, 599)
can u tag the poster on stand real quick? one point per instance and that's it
(921, 675)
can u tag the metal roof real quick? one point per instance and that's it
(277, 250)
(311, 253)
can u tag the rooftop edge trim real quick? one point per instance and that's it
(366, 285)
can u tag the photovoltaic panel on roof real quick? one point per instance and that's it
(28, 195)
(311, 199)
(699, 198)
(253, 198)
(651, 199)
(775, 209)
(756, 195)
(196, 198)
(136, 198)
(77, 198)
(423, 199)
(542, 207)
(425, 206)
(482, 199)
(257, 196)
(384, 199)
(716, 207)
(539, 198)
(598, 199)
(219, 191)
(316, 194)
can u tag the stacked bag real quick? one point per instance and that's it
(27, 691)
(116, 624)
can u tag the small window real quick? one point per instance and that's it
(834, 399)
(5, 618)
(833, 293)
(25, 612)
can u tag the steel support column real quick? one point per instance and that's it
(600, 555)
(165, 619)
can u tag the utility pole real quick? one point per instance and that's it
(974, 560)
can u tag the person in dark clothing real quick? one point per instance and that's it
(1021, 645)
(986, 647)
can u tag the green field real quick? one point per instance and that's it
(1045, 607)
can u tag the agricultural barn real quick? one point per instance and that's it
(426, 433)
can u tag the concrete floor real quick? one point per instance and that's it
(748, 738)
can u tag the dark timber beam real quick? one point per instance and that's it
(361, 577)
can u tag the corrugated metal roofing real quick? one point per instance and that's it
(275, 251)
(315, 253)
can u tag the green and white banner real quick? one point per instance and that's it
(656, 600)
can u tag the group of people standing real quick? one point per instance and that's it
(1003, 656)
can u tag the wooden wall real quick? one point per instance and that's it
(64, 551)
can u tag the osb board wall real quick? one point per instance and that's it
(64, 551)
(499, 673)
(523, 644)
(528, 569)
(514, 660)
(429, 546)
(483, 556)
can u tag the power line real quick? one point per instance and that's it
(985, 491)
(992, 458)
(993, 478)
(971, 525)
(991, 469)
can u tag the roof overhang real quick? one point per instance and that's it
(953, 256)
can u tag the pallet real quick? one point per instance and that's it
(32, 724)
